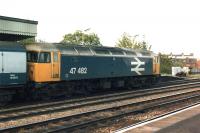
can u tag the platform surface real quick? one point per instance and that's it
(187, 121)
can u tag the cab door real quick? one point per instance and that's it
(1, 67)
(56, 65)
(156, 65)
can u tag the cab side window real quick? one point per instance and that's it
(32, 56)
(156, 59)
(44, 57)
(55, 57)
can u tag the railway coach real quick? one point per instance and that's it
(12, 65)
(13, 70)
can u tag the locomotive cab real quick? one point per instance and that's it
(43, 66)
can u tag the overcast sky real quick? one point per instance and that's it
(168, 25)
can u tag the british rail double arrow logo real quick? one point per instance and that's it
(137, 69)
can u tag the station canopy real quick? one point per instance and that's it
(15, 29)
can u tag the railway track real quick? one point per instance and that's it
(162, 83)
(175, 82)
(65, 128)
(179, 91)
(157, 86)
(27, 111)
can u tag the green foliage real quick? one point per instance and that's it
(126, 41)
(28, 40)
(165, 64)
(81, 38)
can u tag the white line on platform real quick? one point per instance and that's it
(122, 130)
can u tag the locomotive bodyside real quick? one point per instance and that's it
(104, 62)
(89, 67)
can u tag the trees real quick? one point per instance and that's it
(81, 38)
(28, 40)
(165, 64)
(126, 41)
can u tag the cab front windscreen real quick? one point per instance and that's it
(39, 57)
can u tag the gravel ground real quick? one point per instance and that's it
(85, 109)
(194, 76)
(129, 120)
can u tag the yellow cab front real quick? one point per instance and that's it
(43, 66)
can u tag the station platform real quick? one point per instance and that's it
(185, 121)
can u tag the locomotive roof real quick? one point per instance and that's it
(86, 50)
(11, 46)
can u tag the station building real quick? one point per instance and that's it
(16, 29)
